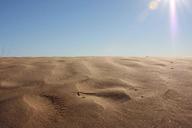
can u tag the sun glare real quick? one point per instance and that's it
(173, 17)
(173, 6)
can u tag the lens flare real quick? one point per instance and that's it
(153, 5)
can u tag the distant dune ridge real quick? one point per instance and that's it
(96, 92)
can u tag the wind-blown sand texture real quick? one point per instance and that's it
(96, 92)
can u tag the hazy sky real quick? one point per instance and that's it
(93, 28)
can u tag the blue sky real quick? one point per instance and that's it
(91, 28)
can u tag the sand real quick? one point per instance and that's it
(96, 92)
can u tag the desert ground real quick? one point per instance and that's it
(96, 92)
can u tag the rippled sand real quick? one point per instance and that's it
(96, 92)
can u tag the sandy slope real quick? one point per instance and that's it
(96, 92)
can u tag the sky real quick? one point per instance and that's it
(94, 28)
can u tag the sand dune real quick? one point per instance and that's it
(96, 92)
